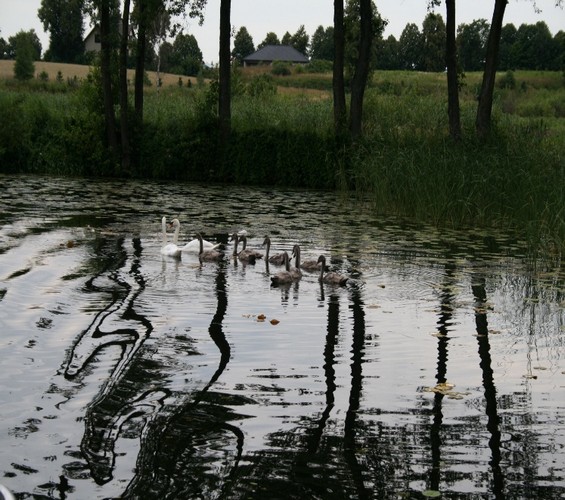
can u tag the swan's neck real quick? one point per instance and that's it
(235, 243)
(297, 255)
(176, 236)
(164, 228)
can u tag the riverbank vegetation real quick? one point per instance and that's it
(404, 163)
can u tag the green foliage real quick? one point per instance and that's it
(64, 22)
(280, 68)
(352, 33)
(24, 67)
(322, 44)
(30, 43)
(270, 39)
(242, 45)
(300, 40)
(185, 57)
(472, 43)
(261, 85)
(319, 66)
(433, 33)
(508, 81)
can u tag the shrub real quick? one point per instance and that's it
(261, 85)
(319, 66)
(280, 68)
(508, 81)
(24, 67)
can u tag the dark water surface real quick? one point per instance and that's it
(439, 368)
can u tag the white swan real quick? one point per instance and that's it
(192, 246)
(170, 249)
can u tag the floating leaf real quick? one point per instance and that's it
(444, 388)
(261, 317)
(431, 494)
(275, 321)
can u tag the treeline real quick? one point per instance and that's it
(528, 47)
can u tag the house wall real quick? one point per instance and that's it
(92, 41)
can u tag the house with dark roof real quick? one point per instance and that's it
(271, 53)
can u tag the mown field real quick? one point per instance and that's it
(70, 71)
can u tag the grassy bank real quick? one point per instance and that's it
(406, 163)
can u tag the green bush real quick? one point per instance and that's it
(280, 68)
(261, 85)
(319, 66)
(508, 81)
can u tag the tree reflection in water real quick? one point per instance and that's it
(493, 422)
(177, 452)
(444, 325)
(328, 404)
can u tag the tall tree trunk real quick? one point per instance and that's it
(338, 83)
(484, 109)
(105, 63)
(453, 110)
(224, 108)
(124, 125)
(141, 48)
(359, 80)
(140, 61)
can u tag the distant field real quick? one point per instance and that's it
(81, 71)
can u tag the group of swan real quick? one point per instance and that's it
(208, 251)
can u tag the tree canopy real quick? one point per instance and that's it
(242, 45)
(63, 20)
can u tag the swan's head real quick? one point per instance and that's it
(234, 237)
(295, 250)
(266, 241)
(322, 259)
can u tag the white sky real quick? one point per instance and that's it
(279, 16)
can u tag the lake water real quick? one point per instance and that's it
(440, 367)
